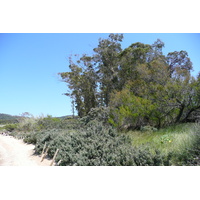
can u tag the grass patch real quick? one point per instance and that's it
(175, 139)
(2, 127)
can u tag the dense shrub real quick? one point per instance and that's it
(28, 124)
(70, 124)
(95, 146)
(57, 123)
(46, 136)
(129, 111)
(99, 114)
(10, 127)
(31, 124)
(143, 156)
(31, 138)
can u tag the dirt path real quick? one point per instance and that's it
(15, 152)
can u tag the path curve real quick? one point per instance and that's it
(15, 152)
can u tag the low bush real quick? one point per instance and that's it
(28, 124)
(95, 146)
(10, 127)
(31, 124)
(90, 141)
(99, 114)
(31, 138)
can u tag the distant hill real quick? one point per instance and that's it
(9, 119)
(67, 117)
(6, 118)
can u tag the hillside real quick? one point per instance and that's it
(6, 118)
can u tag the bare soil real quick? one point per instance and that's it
(15, 152)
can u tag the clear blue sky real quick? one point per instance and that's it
(29, 64)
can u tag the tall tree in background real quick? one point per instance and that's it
(82, 84)
(139, 84)
(130, 58)
(179, 61)
(162, 85)
(107, 64)
(93, 78)
(73, 80)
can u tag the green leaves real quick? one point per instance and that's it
(140, 85)
(179, 62)
(128, 110)
(96, 145)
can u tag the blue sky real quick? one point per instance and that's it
(29, 64)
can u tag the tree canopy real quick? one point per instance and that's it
(138, 84)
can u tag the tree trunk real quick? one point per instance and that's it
(180, 113)
(189, 113)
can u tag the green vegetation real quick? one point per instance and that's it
(135, 107)
(90, 141)
(179, 141)
(139, 84)
(93, 144)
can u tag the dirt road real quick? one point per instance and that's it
(15, 152)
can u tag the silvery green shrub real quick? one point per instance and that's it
(95, 146)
